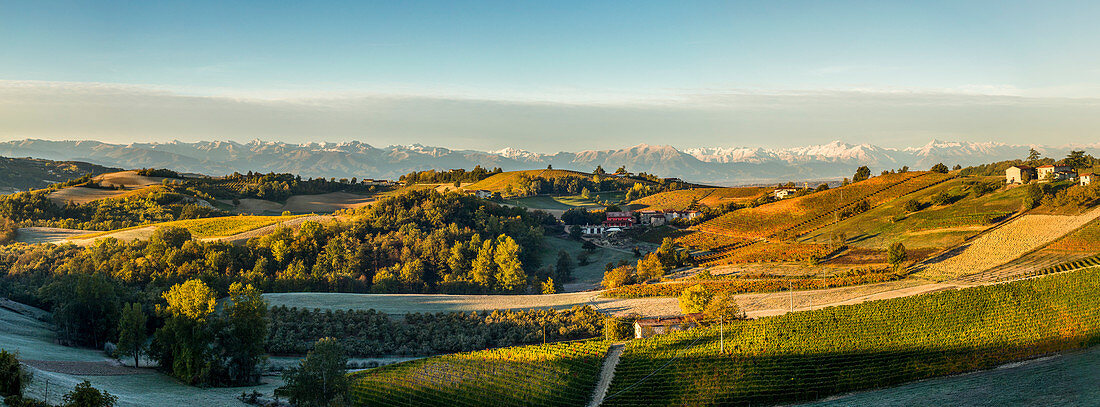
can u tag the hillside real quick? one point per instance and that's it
(24, 174)
(681, 199)
(514, 179)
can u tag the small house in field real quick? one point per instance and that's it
(781, 193)
(647, 327)
(593, 229)
(619, 219)
(1087, 179)
(481, 193)
(1055, 173)
(1019, 174)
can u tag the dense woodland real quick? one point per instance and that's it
(371, 333)
(271, 186)
(448, 177)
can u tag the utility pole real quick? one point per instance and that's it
(722, 332)
(790, 288)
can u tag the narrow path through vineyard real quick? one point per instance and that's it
(607, 372)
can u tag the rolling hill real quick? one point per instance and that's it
(24, 174)
(681, 199)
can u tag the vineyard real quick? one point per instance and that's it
(560, 374)
(799, 215)
(810, 355)
(769, 252)
(699, 240)
(1003, 244)
(753, 285)
(682, 199)
(208, 227)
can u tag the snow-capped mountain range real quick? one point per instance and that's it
(718, 165)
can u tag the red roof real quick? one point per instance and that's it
(1046, 166)
(1088, 175)
(1022, 167)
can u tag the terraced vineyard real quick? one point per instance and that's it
(813, 354)
(681, 199)
(560, 374)
(1002, 244)
(802, 213)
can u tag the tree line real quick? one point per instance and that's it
(371, 333)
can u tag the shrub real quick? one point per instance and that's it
(617, 329)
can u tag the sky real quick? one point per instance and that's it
(552, 76)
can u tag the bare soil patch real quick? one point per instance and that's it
(257, 206)
(103, 368)
(127, 178)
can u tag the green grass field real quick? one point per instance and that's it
(591, 274)
(208, 227)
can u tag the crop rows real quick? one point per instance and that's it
(560, 374)
(1018, 271)
(813, 354)
(737, 286)
(771, 219)
(961, 220)
(1003, 244)
(770, 251)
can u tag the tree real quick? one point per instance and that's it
(182, 345)
(131, 332)
(85, 307)
(13, 376)
(896, 255)
(483, 268)
(722, 305)
(650, 267)
(618, 277)
(957, 167)
(695, 298)
(510, 275)
(563, 268)
(548, 287)
(940, 168)
(599, 170)
(1033, 155)
(621, 170)
(320, 379)
(1076, 159)
(862, 174)
(942, 198)
(241, 340)
(575, 232)
(84, 395)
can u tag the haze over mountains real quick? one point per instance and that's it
(734, 165)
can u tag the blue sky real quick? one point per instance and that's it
(667, 56)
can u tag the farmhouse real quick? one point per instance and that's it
(481, 193)
(1055, 172)
(619, 219)
(780, 193)
(689, 215)
(1087, 179)
(655, 218)
(647, 327)
(1019, 174)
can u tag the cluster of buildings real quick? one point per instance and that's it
(617, 221)
(1022, 174)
